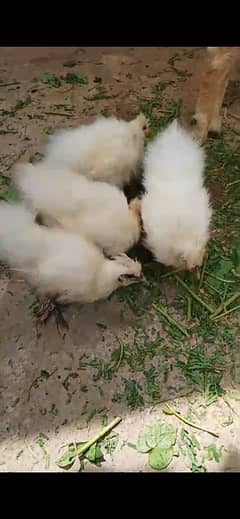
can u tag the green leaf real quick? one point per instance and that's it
(111, 443)
(149, 438)
(50, 79)
(94, 454)
(142, 442)
(228, 422)
(42, 439)
(10, 195)
(132, 446)
(48, 130)
(22, 103)
(195, 442)
(214, 453)
(104, 420)
(225, 266)
(167, 436)
(198, 467)
(192, 444)
(161, 434)
(159, 459)
(131, 394)
(73, 78)
(73, 452)
(223, 271)
(68, 458)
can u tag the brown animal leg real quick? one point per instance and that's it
(212, 90)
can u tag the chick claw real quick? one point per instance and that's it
(46, 309)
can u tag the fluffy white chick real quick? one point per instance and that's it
(109, 149)
(58, 264)
(96, 210)
(175, 209)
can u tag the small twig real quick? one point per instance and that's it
(226, 313)
(170, 319)
(8, 132)
(194, 295)
(169, 410)
(222, 307)
(9, 84)
(30, 449)
(229, 405)
(58, 113)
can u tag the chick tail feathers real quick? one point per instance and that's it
(175, 155)
(21, 240)
(179, 144)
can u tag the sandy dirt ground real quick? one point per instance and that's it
(119, 357)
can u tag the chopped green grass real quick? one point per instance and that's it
(131, 395)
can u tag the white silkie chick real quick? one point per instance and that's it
(176, 209)
(96, 210)
(58, 264)
(109, 149)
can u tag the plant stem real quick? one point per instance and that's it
(169, 410)
(194, 295)
(203, 272)
(231, 281)
(226, 313)
(169, 274)
(189, 308)
(170, 319)
(99, 436)
(224, 305)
